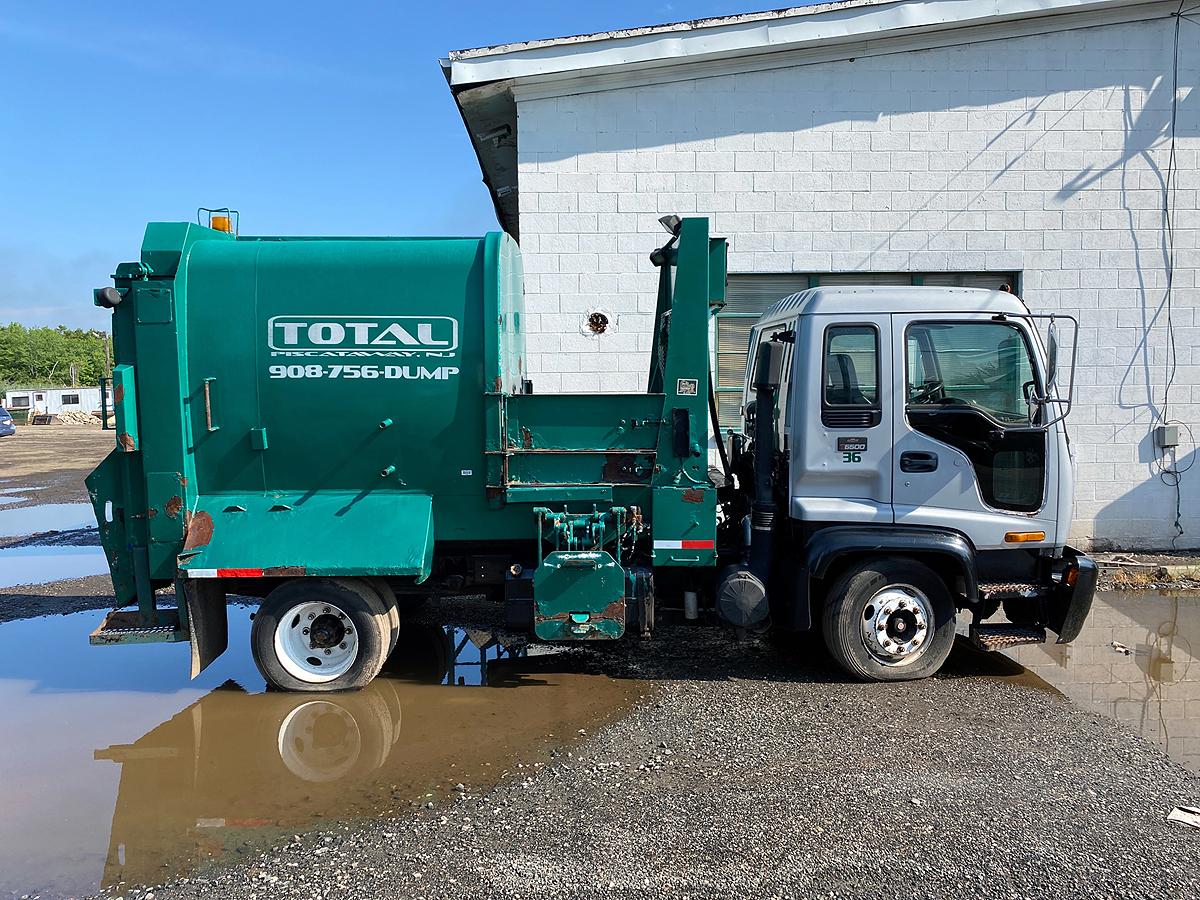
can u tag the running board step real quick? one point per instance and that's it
(1001, 637)
(126, 626)
(1012, 590)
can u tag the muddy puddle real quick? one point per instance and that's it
(46, 517)
(1137, 661)
(118, 769)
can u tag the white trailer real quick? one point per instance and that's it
(55, 400)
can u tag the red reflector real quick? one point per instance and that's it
(698, 545)
(239, 573)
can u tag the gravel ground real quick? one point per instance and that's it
(54, 459)
(750, 774)
(56, 598)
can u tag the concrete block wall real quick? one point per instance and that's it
(1042, 154)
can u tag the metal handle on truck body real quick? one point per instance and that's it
(208, 414)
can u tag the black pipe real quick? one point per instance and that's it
(716, 426)
(763, 509)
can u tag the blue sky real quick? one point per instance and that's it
(309, 117)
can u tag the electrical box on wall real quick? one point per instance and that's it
(1166, 437)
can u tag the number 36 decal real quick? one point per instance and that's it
(851, 448)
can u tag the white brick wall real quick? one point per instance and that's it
(1042, 154)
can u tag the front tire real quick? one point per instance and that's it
(319, 634)
(889, 620)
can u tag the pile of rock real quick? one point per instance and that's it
(75, 418)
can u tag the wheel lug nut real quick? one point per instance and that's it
(311, 616)
(341, 615)
(325, 610)
(342, 645)
(306, 631)
(328, 651)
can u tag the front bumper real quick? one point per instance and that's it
(1071, 599)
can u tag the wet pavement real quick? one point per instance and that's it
(39, 563)
(1136, 662)
(46, 517)
(118, 769)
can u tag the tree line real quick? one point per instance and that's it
(43, 356)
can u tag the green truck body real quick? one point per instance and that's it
(346, 407)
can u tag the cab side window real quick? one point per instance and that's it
(850, 379)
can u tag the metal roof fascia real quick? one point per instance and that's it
(666, 46)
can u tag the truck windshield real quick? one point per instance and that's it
(982, 364)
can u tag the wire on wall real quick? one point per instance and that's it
(1169, 470)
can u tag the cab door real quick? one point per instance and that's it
(966, 456)
(840, 422)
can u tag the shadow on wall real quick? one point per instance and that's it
(1134, 520)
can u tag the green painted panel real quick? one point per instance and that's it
(331, 533)
(583, 421)
(165, 508)
(579, 595)
(125, 404)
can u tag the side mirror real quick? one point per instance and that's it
(768, 365)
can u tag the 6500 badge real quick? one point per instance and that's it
(851, 448)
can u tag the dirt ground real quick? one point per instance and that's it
(55, 458)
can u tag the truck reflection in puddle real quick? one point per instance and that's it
(237, 772)
(1136, 662)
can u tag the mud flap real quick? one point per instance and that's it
(208, 621)
(1069, 605)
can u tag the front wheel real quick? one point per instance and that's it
(889, 620)
(319, 634)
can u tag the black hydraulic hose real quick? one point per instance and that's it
(762, 511)
(716, 427)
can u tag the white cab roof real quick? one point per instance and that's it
(861, 301)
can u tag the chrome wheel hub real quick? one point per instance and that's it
(316, 642)
(896, 625)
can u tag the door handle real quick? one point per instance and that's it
(918, 461)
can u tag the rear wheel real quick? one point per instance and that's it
(318, 634)
(889, 620)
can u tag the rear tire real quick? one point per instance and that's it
(320, 634)
(889, 620)
(373, 590)
(388, 596)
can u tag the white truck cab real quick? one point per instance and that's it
(922, 457)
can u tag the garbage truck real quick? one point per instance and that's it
(344, 426)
